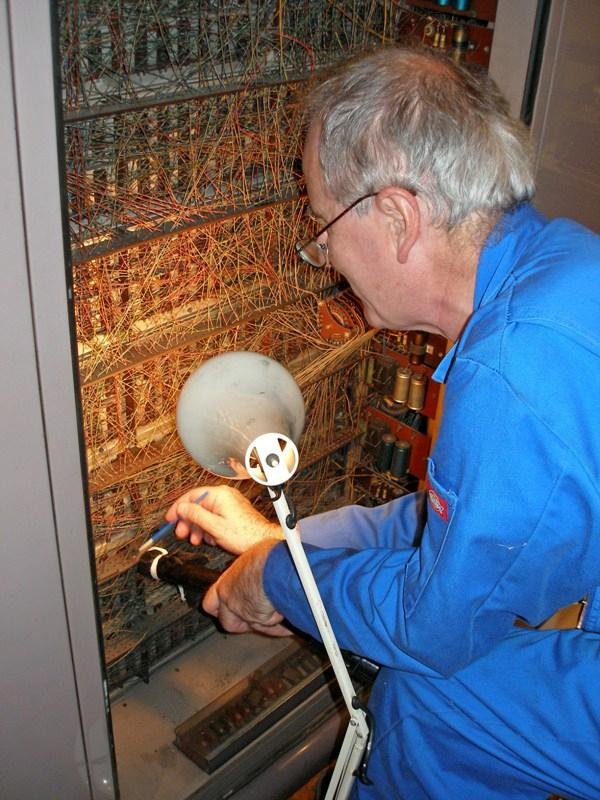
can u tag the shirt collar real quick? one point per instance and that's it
(495, 265)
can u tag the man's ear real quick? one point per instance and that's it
(402, 209)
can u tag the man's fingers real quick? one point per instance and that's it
(210, 601)
(182, 529)
(203, 523)
(231, 622)
(197, 524)
(195, 538)
(238, 599)
(214, 606)
(188, 497)
(272, 630)
(197, 514)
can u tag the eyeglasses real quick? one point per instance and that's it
(314, 252)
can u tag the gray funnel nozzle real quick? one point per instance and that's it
(228, 402)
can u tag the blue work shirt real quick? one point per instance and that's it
(508, 527)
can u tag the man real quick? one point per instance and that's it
(430, 586)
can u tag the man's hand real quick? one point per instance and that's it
(224, 517)
(238, 599)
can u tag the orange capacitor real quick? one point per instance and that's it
(460, 42)
(402, 385)
(416, 393)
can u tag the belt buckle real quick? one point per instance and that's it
(582, 606)
(566, 618)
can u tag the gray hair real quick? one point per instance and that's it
(408, 117)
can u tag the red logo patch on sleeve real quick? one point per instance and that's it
(439, 505)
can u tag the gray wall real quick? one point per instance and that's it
(55, 740)
(509, 59)
(566, 120)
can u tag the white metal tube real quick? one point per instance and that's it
(350, 756)
(356, 736)
(314, 599)
(275, 471)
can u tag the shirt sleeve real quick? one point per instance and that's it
(398, 523)
(511, 520)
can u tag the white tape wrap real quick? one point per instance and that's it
(161, 552)
(154, 566)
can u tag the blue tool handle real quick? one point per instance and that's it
(167, 528)
(164, 531)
